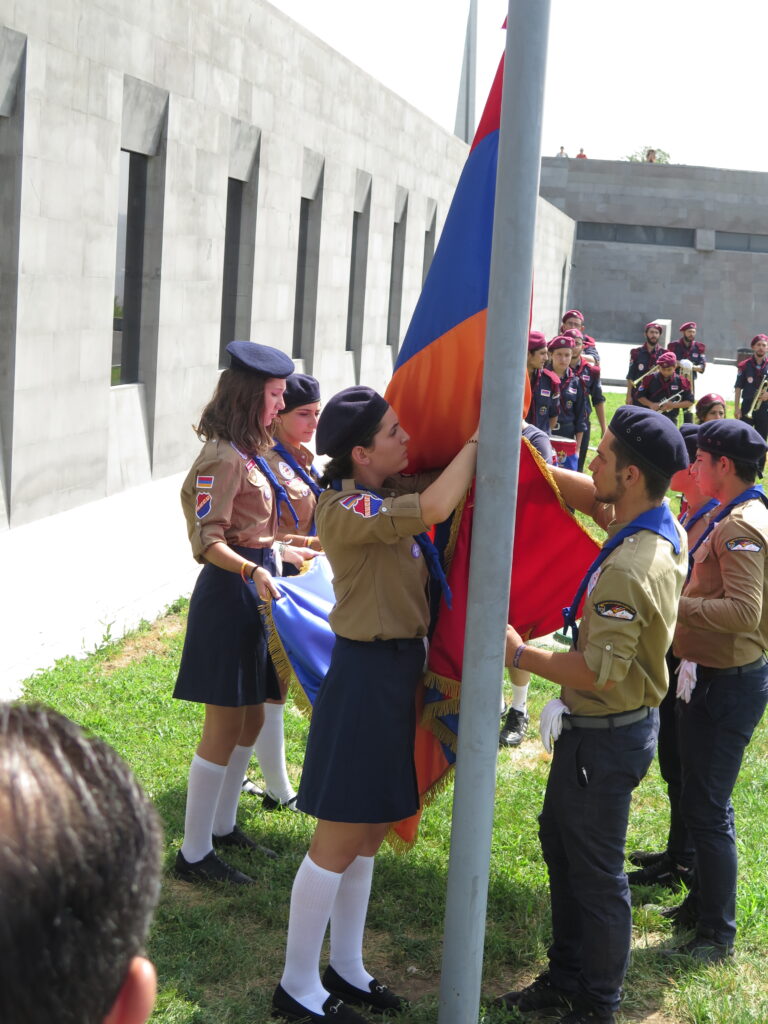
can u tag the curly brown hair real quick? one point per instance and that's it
(235, 412)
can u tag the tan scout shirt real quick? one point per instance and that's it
(627, 625)
(227, 498)
(379, 572)
(723, 614)
(299, 494)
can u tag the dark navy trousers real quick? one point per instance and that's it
(714, 731)
(679, 842)
(583, 829)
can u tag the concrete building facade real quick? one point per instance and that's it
(688, 243)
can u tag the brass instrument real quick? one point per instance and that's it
(671, 398)
(653, 369)
(758, 395)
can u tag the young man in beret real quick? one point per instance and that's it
(721, 637)
(665, 391)
(643, 359)
(691, 357)
(573, 319)
(606, 722)
(545, 385)
(750, 378)
(572, 414)
(589, 375)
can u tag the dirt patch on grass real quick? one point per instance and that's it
(153, 641)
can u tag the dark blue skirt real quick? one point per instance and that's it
(359, 761)
(225, 660)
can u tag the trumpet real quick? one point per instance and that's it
(755, 401)
(671, 399)
(636, 381)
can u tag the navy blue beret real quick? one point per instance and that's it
(690, 434)
(651, 437)
(734, 439)
(347, 419)
(263, 359)
(300, 389)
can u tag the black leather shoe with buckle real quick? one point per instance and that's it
(334, 1010)
(377, 997)
(270, 804)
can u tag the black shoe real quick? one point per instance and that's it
(587, 1017)
(642, 858)
(209, 869)
(251, 788)
(541, 994)
(683, 916)
(377, 997)
(514, 728)
(662, 872)
(240, 841)
(270, 804)
(701, 949)
(334, 1011)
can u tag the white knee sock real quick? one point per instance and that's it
(348, 923)
(226, 809)
(270, 751)
(519, 697)
(205, 782)
(312, 898)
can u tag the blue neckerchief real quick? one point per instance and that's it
(310, 479)
(428, 549)
(687, 523)
(658, 520)
(280, 492)
(755, 491)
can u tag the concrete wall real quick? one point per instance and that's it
(620, 286)
(183, 83)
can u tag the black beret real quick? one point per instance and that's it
(651, 437)
(300, 389)
(263, 359)
(347, 419)
(690, 435)
(734, 439)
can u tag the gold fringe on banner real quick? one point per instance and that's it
(398, 844)
(282, 663)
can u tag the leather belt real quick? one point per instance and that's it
(605, 721)
(704, 672)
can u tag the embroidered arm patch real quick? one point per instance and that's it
(203, 505)
(204, 483)
(365, 505)
(743, 544)
(615, 610)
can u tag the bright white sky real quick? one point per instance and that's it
(687, 76)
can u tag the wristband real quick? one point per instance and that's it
(243, 570)
(517, 654)
(251, 573)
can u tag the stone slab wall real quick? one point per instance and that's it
(621, 286)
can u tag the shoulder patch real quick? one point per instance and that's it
(743, 544)
(365, 505)
(203, 505)
(615, 610)
(204, 483)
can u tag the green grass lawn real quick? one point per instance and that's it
(219, 951)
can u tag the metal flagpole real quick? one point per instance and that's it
(517, 187)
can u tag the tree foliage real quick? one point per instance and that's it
(640, 156)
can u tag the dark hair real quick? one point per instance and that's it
(745, 471)
(656, 483)
(342, 467)
(79, 869)
(235, 410)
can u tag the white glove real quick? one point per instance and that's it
(686, 680)
(551, 722)
(686, 366)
